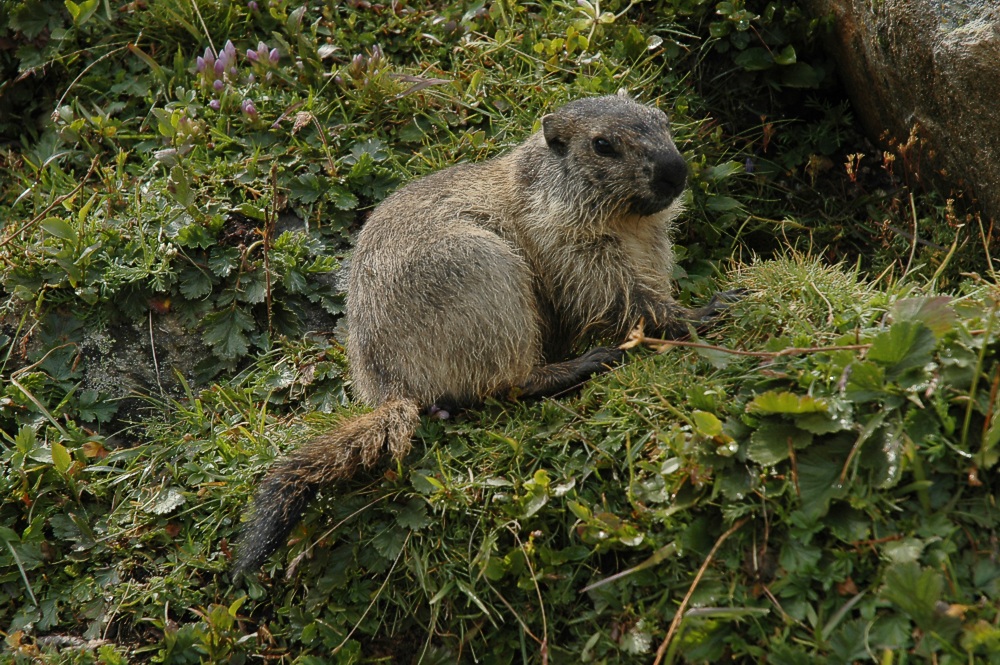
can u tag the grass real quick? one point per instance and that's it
(812, 481)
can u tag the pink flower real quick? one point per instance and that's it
(249, 109)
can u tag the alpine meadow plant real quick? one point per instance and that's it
(812, 481)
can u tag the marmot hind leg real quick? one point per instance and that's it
(554, 378)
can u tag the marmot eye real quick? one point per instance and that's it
(603, 147)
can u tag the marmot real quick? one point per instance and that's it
(479, 279)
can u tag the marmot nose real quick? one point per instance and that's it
(669, 173)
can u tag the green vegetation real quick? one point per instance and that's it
(821, 492)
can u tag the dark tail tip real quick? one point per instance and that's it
(277, 508)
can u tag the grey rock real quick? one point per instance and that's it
(930, 64)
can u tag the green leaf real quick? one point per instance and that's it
(753, 59)
(801, 75)
(222, 260)
(194, 235)
(179, 188)
(59, 228)
(307, 188)
(819, 477)
(253, 288)
(799, 557)
(389, 542)
(903, 551)
(786, 402)
(413, 515)
(61, 459)
(905, 345)
(425, 483)
(786, 56)
(706, 424)
(865, 381)
(723, 204)
(225, 332)
(194, 283)
(935, 312)
(81, 13)
(916, 592)
(166, 501)
(581, 511)
(769, 444)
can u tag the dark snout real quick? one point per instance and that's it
(667, 179)
(670, 174)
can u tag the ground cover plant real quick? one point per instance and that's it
(813, 481)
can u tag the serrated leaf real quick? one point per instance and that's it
(342, 198)
(917, 592)
(903, 551)
(194, 235)
(194, 283)
(307, 188)
(253, 288)
(224, 331)
(818, 471)
(799, 557)
(905, 345)
(770, 443)
(825, 423)
(935, 312)
(414, 515)
(865, 381)
(223, 260)
(786, 403)
(389, 542)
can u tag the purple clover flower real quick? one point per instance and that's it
(215, 105)
(249, 109)
(274, 56)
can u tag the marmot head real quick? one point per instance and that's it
(621, 151)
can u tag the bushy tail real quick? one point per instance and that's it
(293, 481)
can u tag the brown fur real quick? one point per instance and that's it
(480, 279)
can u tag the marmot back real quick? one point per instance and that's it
(479, 280)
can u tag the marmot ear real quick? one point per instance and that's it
(554, 130)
